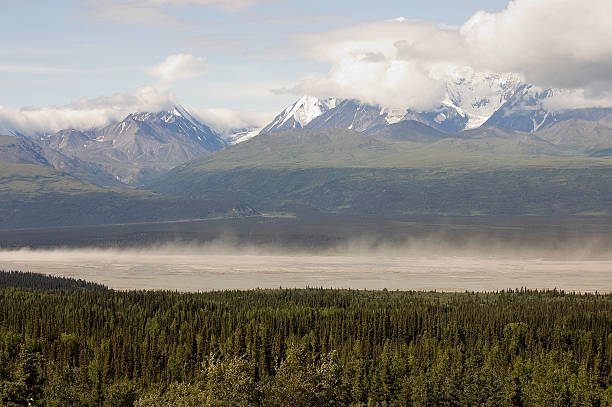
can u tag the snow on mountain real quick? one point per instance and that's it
(524, 111)
(529, 110)
(141, 146)
(236, 136)
(393, 115)
(479, 95)
(470, 99)
(352, 115)
(300, 113)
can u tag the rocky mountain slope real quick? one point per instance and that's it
(140, 147)
(408, 167)
(21, 150)
(299, 114)
(471, 100)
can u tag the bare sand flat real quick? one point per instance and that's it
(195, 270)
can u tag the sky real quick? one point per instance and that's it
(238, 62)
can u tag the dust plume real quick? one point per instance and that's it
(427, 263)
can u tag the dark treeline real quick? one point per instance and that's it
(309, 347)
(40, 281)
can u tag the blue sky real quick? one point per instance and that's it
(62, 50)
(80, 63)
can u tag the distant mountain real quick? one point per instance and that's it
(299, 114)
(240, 135)
(500, 143)
(21, 150)
(580, 136)
(39, 196)
(350, 115)
(141, 146)
(402, 168)
(446, 118)
(409, 130)
(527, 111)
(470, 99)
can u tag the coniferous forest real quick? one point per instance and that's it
(70, 343)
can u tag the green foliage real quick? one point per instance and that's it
(304, 348)
(483, 172)
(177, 395)
(229, 382)
(36, 196)
(41, 281)
(535, 189)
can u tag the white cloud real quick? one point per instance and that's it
(550, 43)
(132, 13)
(36, 69)
(159, 12)
(175, 67)
(562, 43)
(577, 99)
(224, 120)
(229, 5)
(85, 113)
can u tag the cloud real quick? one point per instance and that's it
(224, 120)
(401, 62)
(577, 99)
(132, 12)
(176, 67)
(85, 113)
(561, 43)
(159, 12)
(37, 69)
(227, 5)
(88, 113)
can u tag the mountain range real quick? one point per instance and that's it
(492, 146)
(145, 145)
(501, 101)
(140, 147)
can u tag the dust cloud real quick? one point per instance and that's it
(423, 264)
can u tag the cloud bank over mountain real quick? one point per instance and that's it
(88, 113)
(398, 63)
(85, 113)
(401, 62)
(224, 120)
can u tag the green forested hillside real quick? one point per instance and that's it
(304, 348)
(404, 169)
(41, 281)
(36, 195)
(485, 171)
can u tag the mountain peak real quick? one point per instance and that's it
(300, 113)
(140, 146)
(471, 98)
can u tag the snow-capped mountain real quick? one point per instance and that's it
(352, 115)
(140, 146)
(529, 110)
(235, 136)
(470, 99)
(478, 95)
(300, 113)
